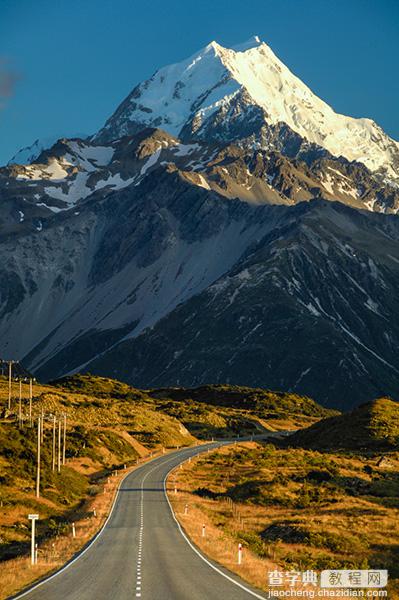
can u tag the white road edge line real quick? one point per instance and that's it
(202, 557)
(93, 540)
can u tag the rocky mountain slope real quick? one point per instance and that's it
(232, 251)
(310, 306)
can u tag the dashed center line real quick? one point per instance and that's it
(141, 530)
(140, 547)
(138, 576)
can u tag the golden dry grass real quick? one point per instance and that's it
(18, 573)
(373, 526)
(218, 544)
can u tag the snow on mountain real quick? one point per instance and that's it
(186, 96)
(73, 171)
(70, 171)
(30, 153)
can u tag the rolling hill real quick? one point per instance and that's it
(372, 426)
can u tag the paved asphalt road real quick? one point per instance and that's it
(141, 553)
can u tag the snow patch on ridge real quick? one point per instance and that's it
(151, 161)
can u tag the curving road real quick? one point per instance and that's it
(142, 553)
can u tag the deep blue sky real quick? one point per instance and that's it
(66, 64)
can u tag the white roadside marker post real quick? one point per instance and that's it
(73, 530)
(203, 530)
(239, 554)
(33, 546)
(186, 509)
(175, 490)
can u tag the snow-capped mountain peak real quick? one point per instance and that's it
(210, 91)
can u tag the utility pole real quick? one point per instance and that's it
(54, 430)
(10, 362)
(20, 403)
(38, 457)
(42, 431)
(33, 555)
(59, 445)
(30, 402)
(64, 441)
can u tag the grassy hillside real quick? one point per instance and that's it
(371, 426)
(100, 387)
(212, 410)
(273, 410)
